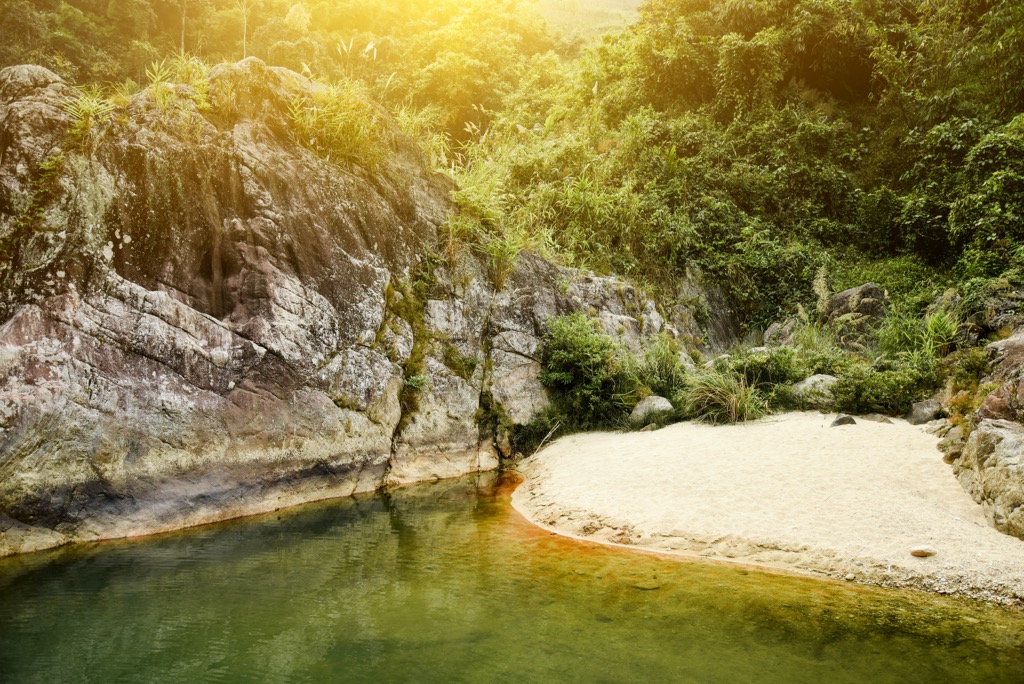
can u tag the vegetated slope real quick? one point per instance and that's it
(763, 141)
(447, 61)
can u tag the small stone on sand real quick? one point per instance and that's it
(922, 551)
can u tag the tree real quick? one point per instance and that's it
(184, 6)
(245, 7)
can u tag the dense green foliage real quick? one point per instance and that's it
(580, 367)
(756, 139)
(456, 56)
(761, 140)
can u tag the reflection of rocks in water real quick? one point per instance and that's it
(387, 587)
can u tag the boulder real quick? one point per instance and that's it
(990, 466)
(816, 391)
(843, 419)
(855, 312)
(952, 445)
(924, 412)
(868, 300)
(649, 408)
(1006, 402)
(780, 333)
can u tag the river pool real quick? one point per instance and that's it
(446, 583)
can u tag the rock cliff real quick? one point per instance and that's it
(988, 458)
(201, 317)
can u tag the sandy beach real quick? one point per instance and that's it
(787, 492)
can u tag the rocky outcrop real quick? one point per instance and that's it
(990, 466)
(855, 312)
(201, 317)
(993, 308)
(781, 333)
(1007, 370)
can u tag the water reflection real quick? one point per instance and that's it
(446, 583)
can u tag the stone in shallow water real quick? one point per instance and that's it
(922, 551)
(843, 419)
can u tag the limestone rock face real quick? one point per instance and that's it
(200, 318)
(990, 467)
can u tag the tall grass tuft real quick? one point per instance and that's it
(934, 335)
(718, 396)
(661, 368)
(340, 123)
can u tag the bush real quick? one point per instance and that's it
(721, 397)
(580, 368)
(779, 366)
(527, 439)
(659, 370)
(890, 386)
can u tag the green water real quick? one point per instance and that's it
(445, 583)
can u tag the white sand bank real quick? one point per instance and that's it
(786, 492)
